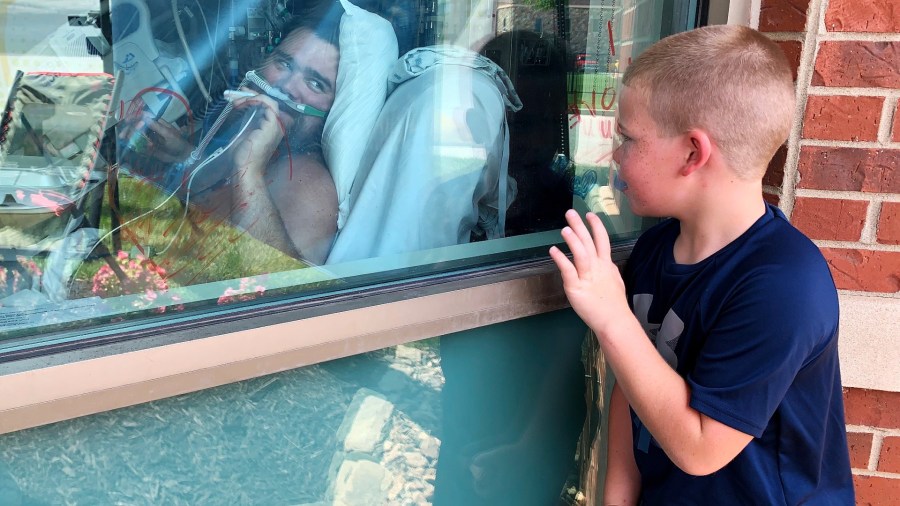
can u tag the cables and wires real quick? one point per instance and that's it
(187, 52)
(213, 41)
(213, 156)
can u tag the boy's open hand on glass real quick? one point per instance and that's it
(591, 280)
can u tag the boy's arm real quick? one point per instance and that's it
(696, 443)
(623, 481)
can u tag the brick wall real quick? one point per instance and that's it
(873, 433)
(837, 179)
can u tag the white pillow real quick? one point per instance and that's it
(368, 50)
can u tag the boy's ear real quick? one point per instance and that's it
(700, 148)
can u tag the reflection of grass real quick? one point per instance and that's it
(581, 86)
(196, 249)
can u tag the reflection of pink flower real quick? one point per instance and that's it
(142, 276)
(242, 292)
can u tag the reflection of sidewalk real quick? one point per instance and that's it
(25, 40)
(387, 451)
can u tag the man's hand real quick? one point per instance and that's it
(591, 280)
(165, 142)
(259, 143)
(172, 144)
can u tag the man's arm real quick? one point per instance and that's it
(696, 443)
(306, 199)
(291, 206)
(623, 481)
(289, 202)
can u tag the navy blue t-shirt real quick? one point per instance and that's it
(753, 329)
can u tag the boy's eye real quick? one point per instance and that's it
(282, 65)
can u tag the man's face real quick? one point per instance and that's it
(647, 161)
(305, 68)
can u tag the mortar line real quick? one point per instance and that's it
(861, 293)
(848, 195)
(856, 245)
(804, 79)
(858, 36)
(832, 244)
(854, 91)
(887, 118)
(871, 429)
(877, 443)
(785, 36)
(869, 233)
(830, 143)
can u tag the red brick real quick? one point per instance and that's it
(865, 270)
(850, 169)
(842, 118)
(873, 408)
(889, 458)
(775, 172)
(858, 63)
(830, 219)
(771, 198)
(876, 491)
(881, 16)
(889, 223)
(783, 15)
(792, 50)
(860, 448)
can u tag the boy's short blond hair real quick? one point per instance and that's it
(730, 81)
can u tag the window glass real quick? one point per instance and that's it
(176, 158)
(455, 420)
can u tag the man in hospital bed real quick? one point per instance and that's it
(273, 180)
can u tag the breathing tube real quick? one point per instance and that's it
(250, 78)
(281, 96)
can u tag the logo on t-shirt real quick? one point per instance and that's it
(665, 337)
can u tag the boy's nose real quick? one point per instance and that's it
(615, 155)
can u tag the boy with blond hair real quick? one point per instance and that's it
(735, 398)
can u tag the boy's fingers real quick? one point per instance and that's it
(601, 237)
(580, 256)
(580, 230)
(566, 269)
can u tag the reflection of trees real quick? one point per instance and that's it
(542, 16)
(540, 5)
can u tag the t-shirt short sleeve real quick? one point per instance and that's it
(774, 322)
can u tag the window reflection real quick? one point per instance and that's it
(211, 153)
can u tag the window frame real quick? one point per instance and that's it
(51, 388)
(138, 362)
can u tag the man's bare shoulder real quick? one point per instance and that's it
(306, 168)
(303, 184)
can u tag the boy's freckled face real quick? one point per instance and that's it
(647, 162)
